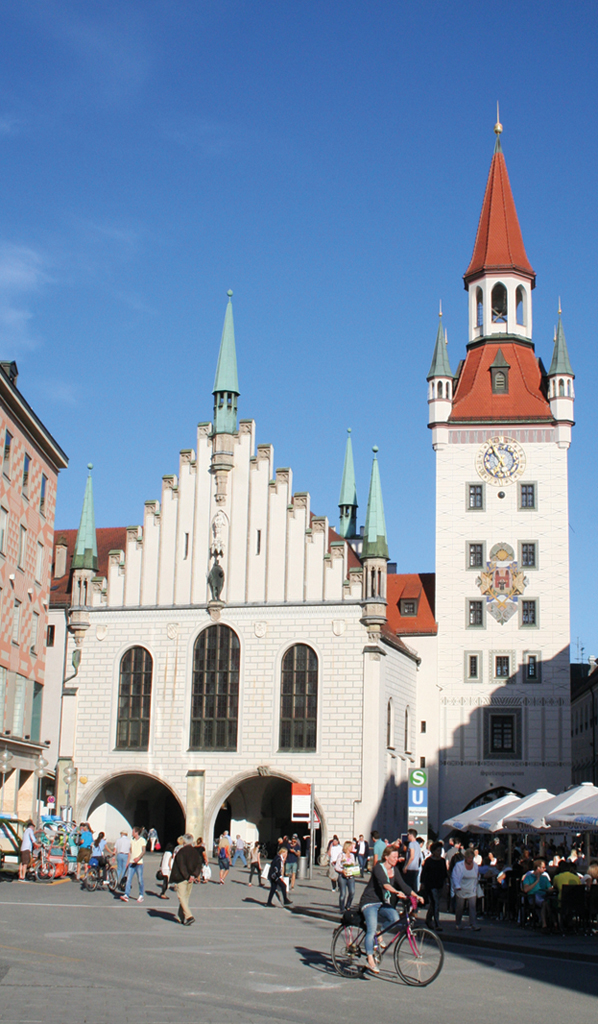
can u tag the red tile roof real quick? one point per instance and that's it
(499, 244)
(525, 401)
(108, 539)
(414, 586)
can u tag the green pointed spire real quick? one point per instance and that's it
(86, 548)
(560, 355)
(348, 499)
(226, 383)
(374, 533)
(440, 361)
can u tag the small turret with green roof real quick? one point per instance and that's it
(86, 548)
(560, 354)
(440, 361)
(374, 533)
(348, 497)
(226, 383)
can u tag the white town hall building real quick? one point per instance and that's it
(235, 643)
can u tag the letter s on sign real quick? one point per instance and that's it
(418, 778)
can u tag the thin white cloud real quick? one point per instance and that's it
(9, 124)
(23, 272)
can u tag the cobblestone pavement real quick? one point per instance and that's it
(69, 956)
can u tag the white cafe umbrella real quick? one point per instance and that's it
(491, 818)
(466, 818)
(533, 818)
(580, 817)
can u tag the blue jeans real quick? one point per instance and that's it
(433, 915)
(362, 861)
(240, 854)
(376, 914)
(346, 887)
(135, 869)
(121, 864)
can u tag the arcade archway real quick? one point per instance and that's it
(136, 799)
(259, 807)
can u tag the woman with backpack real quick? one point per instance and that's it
(165, 869)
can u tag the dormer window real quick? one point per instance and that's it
(499, 371)
(499, 304)
(408, 607)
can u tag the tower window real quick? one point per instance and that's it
(499, 304)
(528, 613)
(50, 634)
(26, 468)
(473, 666)
(500, 381)
(6, 455)
(42, 496)
(568, 389)
(528, 555)
(422, 726)
(476, 496)
(501, 666)
(528, 495)
(439, 389)
(520, 306)
(561, 388)
(531, 668)
(476, 613)
(448, 389)
(479, 301)
(476, 556)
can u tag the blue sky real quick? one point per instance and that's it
(325, 161)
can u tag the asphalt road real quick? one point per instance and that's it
(70, 956)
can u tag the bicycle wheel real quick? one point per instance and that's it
(347, 951)
(112, 879)
(91, 880)
(419, 956)
(45, 871)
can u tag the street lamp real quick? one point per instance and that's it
(69, 775)
(5, 759)
(41, 766)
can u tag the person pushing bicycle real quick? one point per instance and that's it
(385, 882)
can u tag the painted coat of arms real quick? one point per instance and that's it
(502, 583)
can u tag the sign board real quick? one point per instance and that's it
(417, 808)
(51, 801)
(300, 801)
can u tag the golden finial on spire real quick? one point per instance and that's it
(560, 310)
(498, 125)
(440, 308)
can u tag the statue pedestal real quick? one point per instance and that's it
(214, 609)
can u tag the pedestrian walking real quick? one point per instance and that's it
(465, 883)
(276, 878)
(165, 869)
(414, 861)
(334, 850)
(186, 869)
(135, 866)
(206, 871)
(122, 848)
(85, 844)
(224, 856)
(255, 864)
(344, 864)
(363, 851)
(239, 851)
(433, 879)
(152, 840)
(292, 862)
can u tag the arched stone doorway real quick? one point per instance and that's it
(258, 807)
(133, 798)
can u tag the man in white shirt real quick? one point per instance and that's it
(239, 851)
(27, 845)
(122, 848)
(135, 865)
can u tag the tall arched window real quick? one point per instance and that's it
(299, 699)
(479, 301)
(520, 306)
(134, 700)
(499, 304)
(215, 690)
(561, 388)
(390, 725)
(440, 389)
(407, 730)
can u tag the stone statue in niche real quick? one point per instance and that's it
(219, 530)
(216, 579)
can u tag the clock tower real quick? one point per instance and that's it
(501, 430)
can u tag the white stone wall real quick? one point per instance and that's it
(544, 706)
(334, 632)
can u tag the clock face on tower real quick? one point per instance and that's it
(500, 461)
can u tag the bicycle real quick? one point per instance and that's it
(93, 879)
(418, 952)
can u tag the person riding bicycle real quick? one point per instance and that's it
(98, 852)
(375, 904)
